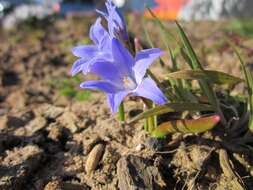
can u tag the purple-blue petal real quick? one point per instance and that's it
(104, 86)
(115, 100)
(116, 22)
(78, 66)
(148, 89)
(85, 65)
(122, 57)
(85, 51)
(106, 70)
(143, 60)
(100, 36)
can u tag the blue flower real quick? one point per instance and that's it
(116, 22)
(125, 75)
(89, 54)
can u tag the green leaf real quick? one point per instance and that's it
(67, 91)
(148, 38)
(172, 107)
(195, 62)
(210, 75)
(249, 81)
(186, 126)
(165, 31)
(205, 86)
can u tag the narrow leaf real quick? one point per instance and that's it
(172, 107)
(165, 31)
(210, 75)
(249, 81)
(148, 38)
(194, 59)
(186, 126)
(205, 86)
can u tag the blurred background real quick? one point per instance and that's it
(36, 37)
(14, 11)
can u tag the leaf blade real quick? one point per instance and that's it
(249, 81)
(172, 107)
(210, 75)
(186, 126)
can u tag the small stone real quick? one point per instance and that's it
(54, 185)
(155, 143)
(69, 120)
(94, 158)
(35, 125)
(54, 132)
(51, 112)
(106, 139)
(139, 147)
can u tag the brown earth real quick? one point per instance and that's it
(54, 142)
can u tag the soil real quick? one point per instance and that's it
(55, 142)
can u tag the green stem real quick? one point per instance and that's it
(151, 125)
(146, 124)
(155, 119)
(121, 113)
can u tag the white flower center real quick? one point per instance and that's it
(129, 83)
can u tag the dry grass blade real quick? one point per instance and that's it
(210, 75)
(234, 180)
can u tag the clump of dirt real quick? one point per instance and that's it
(51, 141)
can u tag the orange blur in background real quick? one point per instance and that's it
(167, 9)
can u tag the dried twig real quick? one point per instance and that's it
(234, 178)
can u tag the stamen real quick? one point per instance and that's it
(129, 83)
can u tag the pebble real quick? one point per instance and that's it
(139, 147)
(69, 120)
(35, 125)
(94, 157)
(51, 112)
(155, 143)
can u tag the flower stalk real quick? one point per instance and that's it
(121, 113)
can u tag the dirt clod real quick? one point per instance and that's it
(18, 165)
(35, 125)
(51, 111)
(138, 173)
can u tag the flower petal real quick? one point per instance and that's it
(100, 36)
(106, 70)
(122, 57)
(104, 86)
(78, 66)
(148, 89)
(85, 51)
(115, 100)
(143, 60)
(116, 22)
